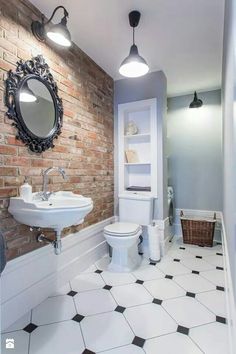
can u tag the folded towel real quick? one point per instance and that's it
(3, 260)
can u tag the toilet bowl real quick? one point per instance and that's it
(123, 237)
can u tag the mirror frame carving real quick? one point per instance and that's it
(34, 68)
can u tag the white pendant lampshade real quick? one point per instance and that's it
(134, 65)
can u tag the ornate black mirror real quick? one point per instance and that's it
(33, 104)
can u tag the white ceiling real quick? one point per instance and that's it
(181, 37)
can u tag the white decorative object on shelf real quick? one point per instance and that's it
(131, 156)
(131, 128)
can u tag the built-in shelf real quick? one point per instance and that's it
(142, 145)
(137, 163)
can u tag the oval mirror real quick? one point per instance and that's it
(33, 104)
(37, 108)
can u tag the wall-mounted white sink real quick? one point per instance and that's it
(62, 209)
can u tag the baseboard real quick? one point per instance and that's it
(230, 302)
(197, 213)
(31, 278)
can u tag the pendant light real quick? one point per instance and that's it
(58, 33)
(134, 65)
(196, 103)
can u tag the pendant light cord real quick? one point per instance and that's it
(133, 34)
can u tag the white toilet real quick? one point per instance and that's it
(123, 236)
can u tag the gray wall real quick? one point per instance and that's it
(152, 85)
(229, 132)
(194, 151)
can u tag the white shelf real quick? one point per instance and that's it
(137, 136)
(136, 163)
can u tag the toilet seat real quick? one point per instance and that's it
(122, 229)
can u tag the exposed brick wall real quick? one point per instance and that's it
(85, 147)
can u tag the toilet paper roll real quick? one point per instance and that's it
(154, 243)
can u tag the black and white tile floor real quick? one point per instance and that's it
(174, 307)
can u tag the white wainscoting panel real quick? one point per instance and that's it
(28, 280)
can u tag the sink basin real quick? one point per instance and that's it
(63, 209)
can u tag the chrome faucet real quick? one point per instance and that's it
(45, 194)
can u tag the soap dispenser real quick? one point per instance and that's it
(26, 191)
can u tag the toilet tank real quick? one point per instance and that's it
(136, 208)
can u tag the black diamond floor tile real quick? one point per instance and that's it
(98, 271)
(221, 288)
(176, 260)
(120, 309)
(138, 341)
(138, 281)
(30, 328)
(183, 330)
(168, 276)
(152, 263)
(107, 287)
(182, 248)
(188, 293)
(87, 351)
(157, 301)
(72, 293)
(195, 272)
(78, 318)
(220, 268)
(219, 254)
(220, 319)
(200, 257)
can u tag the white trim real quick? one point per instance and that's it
(31, 278)
(231, 312)
(164, 234)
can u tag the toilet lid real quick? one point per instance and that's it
(122, 228)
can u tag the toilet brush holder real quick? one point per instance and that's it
(154, 244)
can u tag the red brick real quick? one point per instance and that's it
(17, 161)
(8, 192)
(8, 150)
(8, 171)
(11, 140)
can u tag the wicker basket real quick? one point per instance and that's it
(198, 231)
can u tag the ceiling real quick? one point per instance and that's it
(181, 37)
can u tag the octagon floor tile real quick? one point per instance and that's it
(188, 312)
(164, 289)
(131, 295)
(106, 331)
(212, 338)
(60, 338)
(170, 344)
(149, 320)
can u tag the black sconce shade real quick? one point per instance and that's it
(58, 33)
(196, 103)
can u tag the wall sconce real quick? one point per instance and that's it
(196, 103)
(58, 33)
